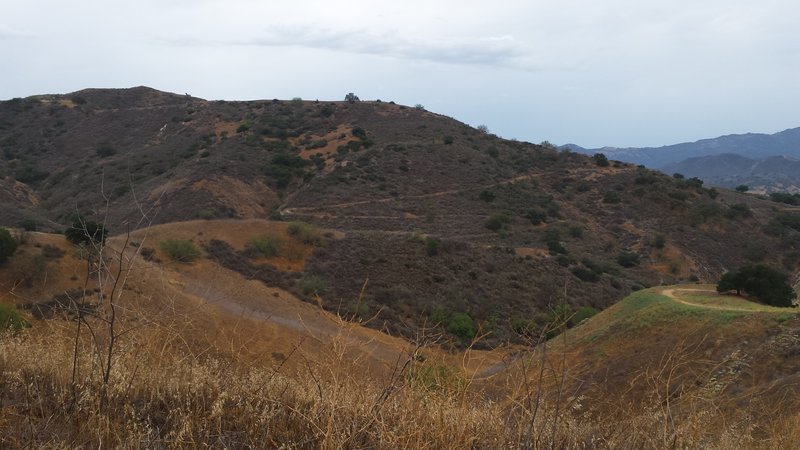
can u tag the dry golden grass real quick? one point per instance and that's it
(186, 373)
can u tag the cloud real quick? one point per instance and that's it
(494, 51)
(5, 33)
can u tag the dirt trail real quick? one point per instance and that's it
(671, 294)
(312, 210)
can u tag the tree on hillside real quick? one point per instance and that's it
(8, 245)
(600, 159)
(765, 284)
(86, 232)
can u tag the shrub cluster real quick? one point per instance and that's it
(180, 250)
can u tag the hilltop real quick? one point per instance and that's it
(437, 219)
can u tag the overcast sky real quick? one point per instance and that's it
(591, 72)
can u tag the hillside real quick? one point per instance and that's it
(682, 360)
(438, 220)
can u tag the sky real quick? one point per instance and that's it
(590, 72)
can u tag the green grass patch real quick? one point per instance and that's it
(725, 301)
(11, 320)
(266, 245)
(305, 232)
(180, 250)
(311, 285)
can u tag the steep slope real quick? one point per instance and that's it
(440, 223)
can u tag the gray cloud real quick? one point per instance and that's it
(494, 51)
(6, 33)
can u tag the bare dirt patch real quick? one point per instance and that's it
(250, 200)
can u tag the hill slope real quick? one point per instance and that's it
(439, 220)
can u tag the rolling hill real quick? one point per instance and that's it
(369, 275)
(438, 219)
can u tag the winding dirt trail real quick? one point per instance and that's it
(671, 294)
(315, 211)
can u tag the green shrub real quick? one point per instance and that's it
(305, 232)
(431, 246)
(611, 197)
(524, 327)
(310, 285)
(742, 188)
(628, 259)
(782, 197)
(448, 140)
(180, 250)
(359, 133)
(284, 167)
(487, 196)
(462, 326)
(10, 319)
(600, 159)
(585, 274)
(28, 225)
(658, 241)
(29, 174)
(497, 221)
(581, 314)
(105, 151)
(8, 245)
(536, 217)
(266, 245)
(86, 232)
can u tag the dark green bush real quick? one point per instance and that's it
(611, 197)
(284, 167)
(585, 274)
(497, 222)
(8, 245)
(431, 246)
(462, 326)
(28, 225)
(487, 196)
(29, 174)
(86, 232)
(105, 151)
(628, 259)
(600, 159)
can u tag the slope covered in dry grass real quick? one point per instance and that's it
(189, 373)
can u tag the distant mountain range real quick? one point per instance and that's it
(773, 173)
(764, 161)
